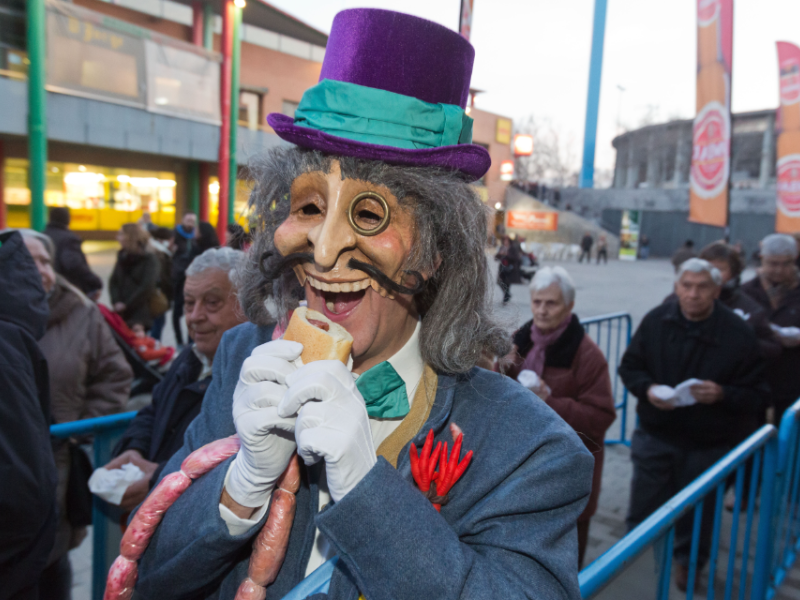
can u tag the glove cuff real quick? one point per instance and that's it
(246, 490)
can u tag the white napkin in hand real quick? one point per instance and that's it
(110, 485)
(681, 395)
(791, 333)
(528, 378)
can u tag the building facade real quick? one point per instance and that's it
(651, 175)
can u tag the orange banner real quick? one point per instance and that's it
(533, 220)
(711, 144)
(787, 214)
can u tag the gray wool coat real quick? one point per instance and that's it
(507, 532)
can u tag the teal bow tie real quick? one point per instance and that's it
(384, 392)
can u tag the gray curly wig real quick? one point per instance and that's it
(456, 305)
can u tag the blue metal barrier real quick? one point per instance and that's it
(658, 530)
(106, 532)
(612, 334)
(782, 552)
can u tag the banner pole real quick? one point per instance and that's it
(37, 112)
(236, 56)
(727, 234)
(593, 95)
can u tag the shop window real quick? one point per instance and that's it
(289, 108)
(241, 210)
(99, 198)
(249, 109)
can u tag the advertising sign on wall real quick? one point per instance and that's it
(532, 220)
(629, 235)
(787, 215)
(711, 143)
(503, 131)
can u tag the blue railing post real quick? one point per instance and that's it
(766, 531)
(619, 320)
(106, 532)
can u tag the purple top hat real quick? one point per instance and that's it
(393, 87)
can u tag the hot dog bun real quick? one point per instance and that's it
(318, 344)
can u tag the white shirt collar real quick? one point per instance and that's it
(409, 364)
(207, 365)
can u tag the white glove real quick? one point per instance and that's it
(267, 439)
(332, 423)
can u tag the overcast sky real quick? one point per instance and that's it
(532, 56)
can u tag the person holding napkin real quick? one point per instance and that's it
(554, 358)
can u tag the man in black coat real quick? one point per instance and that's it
(157, 431)
(776, 289)
(28, 472)
(695, 337)
(70, 261)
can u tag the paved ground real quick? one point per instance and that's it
(601, 289)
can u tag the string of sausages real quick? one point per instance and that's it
(269, 547)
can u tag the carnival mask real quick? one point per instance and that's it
(351, 239)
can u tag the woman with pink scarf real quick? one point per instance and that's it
(554, 358)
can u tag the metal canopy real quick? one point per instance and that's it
(264, 15)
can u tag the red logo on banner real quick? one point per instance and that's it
(710, 151)
(788, 174)
(707, 12)
(790, 81)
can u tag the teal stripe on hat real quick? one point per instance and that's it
(384, 392)
(374, 116)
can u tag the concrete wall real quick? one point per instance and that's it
(571, 226)
(665, 215)
(484, 131)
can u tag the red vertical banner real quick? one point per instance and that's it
(711, 143)
(465, 21)
(787, 214)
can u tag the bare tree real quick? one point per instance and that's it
(553, 161)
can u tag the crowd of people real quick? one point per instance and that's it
(731, 344)
(734, 346)
(62, 362)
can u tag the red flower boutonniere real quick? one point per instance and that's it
(435, 485)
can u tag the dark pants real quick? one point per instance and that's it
(55, 583)
(587, 254)
(158, 327)
(604, 254)
(583, 540)
(506, 287)
(660, 470)
(177, 312)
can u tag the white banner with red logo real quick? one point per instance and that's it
(711, 144)
(787, 215)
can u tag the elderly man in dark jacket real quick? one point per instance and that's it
(28, 491)
(69, 259)
(157, 431)
(777, 289)
(695, 337)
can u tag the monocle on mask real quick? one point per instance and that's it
(368, 213)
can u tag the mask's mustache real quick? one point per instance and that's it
(283, 265)
(384, 281)
(278, 268)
